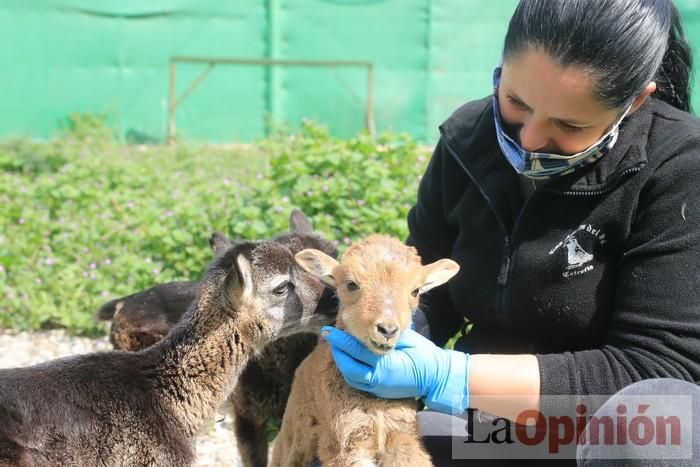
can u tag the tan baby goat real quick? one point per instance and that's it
(378, 283)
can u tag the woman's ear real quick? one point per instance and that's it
(641, 99)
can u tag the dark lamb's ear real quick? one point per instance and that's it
(239, 280)
(219, 243)
(300, 224)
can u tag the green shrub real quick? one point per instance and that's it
(351, 188)
(89, 128)
(83, 220)
(107, 224)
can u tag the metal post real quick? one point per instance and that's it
(369, 113)
(193, 85)
(174, 102)
(171, 104)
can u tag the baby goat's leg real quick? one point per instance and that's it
(251, 438)
(359, 451)
(403, 449)
(297, 441)
(355, 459)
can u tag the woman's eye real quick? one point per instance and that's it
(517, 103)
(283, 288)
(351, 286)
(569, 128)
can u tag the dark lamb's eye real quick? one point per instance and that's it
(351, 286)
(415, 292)
(283, 288)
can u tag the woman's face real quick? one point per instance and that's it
(551, 109)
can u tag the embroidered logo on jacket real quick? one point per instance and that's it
(578, 259)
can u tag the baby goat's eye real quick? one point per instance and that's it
(351, 286)
(415, 292)
(283, 288)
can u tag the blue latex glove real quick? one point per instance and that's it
(415, 368)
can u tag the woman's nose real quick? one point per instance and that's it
(532, 138)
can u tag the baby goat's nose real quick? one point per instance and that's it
(387, 330)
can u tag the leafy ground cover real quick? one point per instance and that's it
(84, 219)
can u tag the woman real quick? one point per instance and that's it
(569, 198)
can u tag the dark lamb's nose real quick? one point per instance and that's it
(387, 330)
(328, 303)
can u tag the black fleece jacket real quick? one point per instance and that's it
(597, 273)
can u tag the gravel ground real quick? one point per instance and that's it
(215, 446)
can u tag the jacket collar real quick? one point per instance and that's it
(471, 135)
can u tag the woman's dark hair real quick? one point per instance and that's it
(623, 44)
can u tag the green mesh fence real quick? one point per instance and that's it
(112, 57)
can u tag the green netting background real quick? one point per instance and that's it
(111, 57)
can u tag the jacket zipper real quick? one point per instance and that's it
(504, 272)
(623, 175)
(505, 265)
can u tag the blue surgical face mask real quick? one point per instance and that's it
(541, 165)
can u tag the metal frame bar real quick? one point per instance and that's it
(174, 101)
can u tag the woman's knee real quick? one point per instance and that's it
(650, 422)
(660, 387)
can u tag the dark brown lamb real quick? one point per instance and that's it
(141, 319)
(144, 408)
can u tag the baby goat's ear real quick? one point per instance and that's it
(318, 264)
(300, 224)
(437, 273)
(219, 243)
(240, 278)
